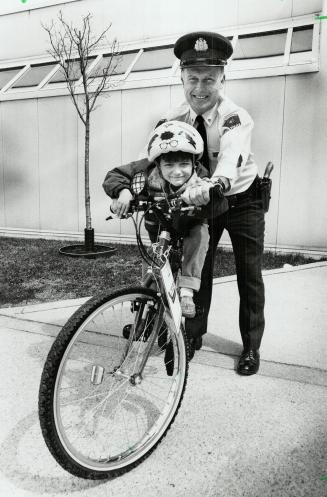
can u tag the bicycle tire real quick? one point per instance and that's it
(62, 392)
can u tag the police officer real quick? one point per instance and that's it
(226, 129)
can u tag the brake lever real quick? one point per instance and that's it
(134, 204)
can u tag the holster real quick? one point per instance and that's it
(264, 191)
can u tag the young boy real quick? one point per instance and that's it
(174, 149)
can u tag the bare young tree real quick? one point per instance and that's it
(87, 75)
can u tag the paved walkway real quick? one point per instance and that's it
(260, 436)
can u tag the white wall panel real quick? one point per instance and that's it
(35, 40)
(251, 11)
(2, 196)
(32, 39)
(303, 201)
(20, 159)
(58, 164)
(263, 98)
(303, 204)
(130, 20)
(142, 19)
(171, 16)
(302, 7)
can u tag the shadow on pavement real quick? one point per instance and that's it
(27, 464)
(222, 345)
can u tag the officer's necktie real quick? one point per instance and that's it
(202, 130)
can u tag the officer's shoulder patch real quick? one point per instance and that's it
(232, 121)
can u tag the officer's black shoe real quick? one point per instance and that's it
(169, 358)
(249, 362)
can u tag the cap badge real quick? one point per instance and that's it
(201, 45)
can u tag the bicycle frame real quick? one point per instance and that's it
(169, 302)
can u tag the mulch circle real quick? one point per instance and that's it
(80, 251)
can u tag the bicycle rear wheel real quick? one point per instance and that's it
(99, 416)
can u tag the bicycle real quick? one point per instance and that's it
(115, 376)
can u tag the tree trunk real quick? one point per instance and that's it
(89, 240)
(88, 224)
(88, 232)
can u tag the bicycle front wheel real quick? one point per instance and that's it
(112, 385)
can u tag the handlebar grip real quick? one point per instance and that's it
(113, 215)
(218, 203)
(216, 193)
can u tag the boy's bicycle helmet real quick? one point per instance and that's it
(174, 136)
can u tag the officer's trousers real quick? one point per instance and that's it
(245, 224)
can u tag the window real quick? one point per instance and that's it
(302, 39)
(120, 63)
(7, 74)
(155, 58)
(257, 45)
(74, 71)
(34, 75)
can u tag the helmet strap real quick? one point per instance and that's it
(194, 165)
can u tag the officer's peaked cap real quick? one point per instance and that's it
(203, 48)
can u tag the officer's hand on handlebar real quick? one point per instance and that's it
(121, 205)
(198, 193)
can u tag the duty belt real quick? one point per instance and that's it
(251, 192)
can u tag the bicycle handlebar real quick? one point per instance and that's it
(173, 201)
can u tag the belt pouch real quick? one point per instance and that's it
(265, 192)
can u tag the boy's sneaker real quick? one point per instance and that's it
(188, 306)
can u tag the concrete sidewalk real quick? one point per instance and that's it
(296, 322)
(234, 436)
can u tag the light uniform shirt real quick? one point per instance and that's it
(229, 128)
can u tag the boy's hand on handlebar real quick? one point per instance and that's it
(121, 205)
(198, 193)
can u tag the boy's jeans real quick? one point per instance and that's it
(195, 249)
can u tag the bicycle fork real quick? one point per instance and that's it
(150, 343)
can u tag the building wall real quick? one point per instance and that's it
(41, 147)
(140, 20)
